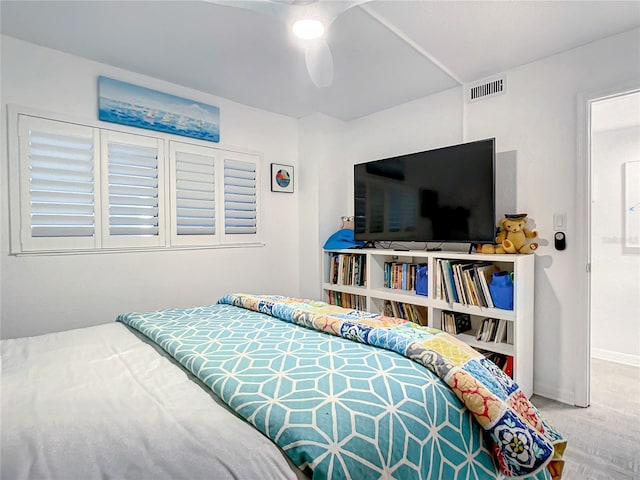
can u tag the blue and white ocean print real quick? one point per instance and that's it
(129, 104)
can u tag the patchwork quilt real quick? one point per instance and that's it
(345, 409)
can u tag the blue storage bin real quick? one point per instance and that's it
(422, 279)
(501, 289)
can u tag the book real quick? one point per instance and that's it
(508, 367)
(421, 313)
(446, 295)
(501, 331)
(487, 330)
(475, 278)
(455, 267)
(449, 281)
(485, 274)
(471, 293)
(404, 276)
(455, 323)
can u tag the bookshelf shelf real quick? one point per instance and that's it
(366, 273)
(399, 296)
(345, 288)
(474, 310)
(502, 348)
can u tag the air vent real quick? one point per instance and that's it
(487, 88)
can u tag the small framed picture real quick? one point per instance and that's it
(281, 178)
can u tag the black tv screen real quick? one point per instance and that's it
(441, 195)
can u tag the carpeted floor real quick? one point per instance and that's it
(603, 439)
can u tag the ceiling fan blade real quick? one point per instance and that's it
(319, 60)
(318, 56)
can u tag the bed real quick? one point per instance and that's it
(262, 387)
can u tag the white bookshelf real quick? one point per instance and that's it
(520, 319)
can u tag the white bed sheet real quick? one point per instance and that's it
(100, 403)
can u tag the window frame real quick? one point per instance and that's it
(18, 195)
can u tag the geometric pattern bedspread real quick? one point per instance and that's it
(521, 441)
(339, 409)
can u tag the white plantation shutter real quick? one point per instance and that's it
(58, 184)
(76, 187)
(193, 194)
(132, 190)
(240, 197)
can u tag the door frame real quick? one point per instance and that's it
(582, 352)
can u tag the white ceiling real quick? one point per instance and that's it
(386, 52)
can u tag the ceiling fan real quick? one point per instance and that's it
(309, 20)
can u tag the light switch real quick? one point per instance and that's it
(559, 221)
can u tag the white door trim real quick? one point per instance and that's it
(582, 352)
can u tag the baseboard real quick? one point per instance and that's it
(611, 356)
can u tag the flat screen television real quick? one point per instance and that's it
(441, 195)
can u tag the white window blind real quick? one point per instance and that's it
(58, 163)
(240, 197)
(133, 184)
(195, 194)
(78, 187)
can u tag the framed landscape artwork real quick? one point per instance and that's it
(281, 178)
(128, 104)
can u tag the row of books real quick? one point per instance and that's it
(408, 311)
(464, 282)
(495, 330)
(504, 362)
(455, 322)
(401, 276)
(347, 300)
(347, 269)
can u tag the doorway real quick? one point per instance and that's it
(613, 155)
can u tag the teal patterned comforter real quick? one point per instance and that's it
(338, 408)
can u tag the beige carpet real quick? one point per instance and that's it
(603, 439)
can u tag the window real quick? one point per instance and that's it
(240, 197)
(193, 194)
(132, 190)
(86, 188)
(58, 184)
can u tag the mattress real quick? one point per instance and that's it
(102, 403)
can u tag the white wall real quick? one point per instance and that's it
(322, 181)
(615, 277)
(430, 122)
(51, 293)
(329, 148)
(536, 119)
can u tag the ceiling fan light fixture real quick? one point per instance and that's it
(308, 29)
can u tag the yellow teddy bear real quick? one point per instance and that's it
(513, 236)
